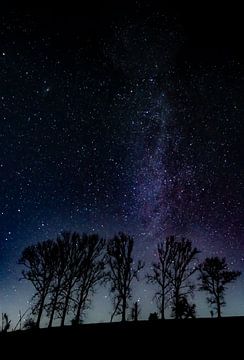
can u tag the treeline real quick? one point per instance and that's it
(65, 273)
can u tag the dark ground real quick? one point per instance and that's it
(193, 338)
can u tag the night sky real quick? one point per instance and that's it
(121, 118)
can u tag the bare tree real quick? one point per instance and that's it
(73, 256)
(122, 271)
(64, 273)
(214, 276)
(91, 270)
(38, 260)
(60, 266)
(160, 274)
(182, 268)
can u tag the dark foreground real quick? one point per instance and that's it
(198, 337)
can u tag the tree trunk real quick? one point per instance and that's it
(218, 308)
(40, 311)
(177, 304)
(115, 309)
(136, 311)
(124, 309)
(162, 307)
(55, 300)
(65, 307)
(77, 318)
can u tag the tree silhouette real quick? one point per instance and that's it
(60, 267)
(160, 274)
(73, 254)
(122, 271)
(153, 317)
(64, 273)
(91, 270)
(181, 269)
(38, 260)
(214, 276)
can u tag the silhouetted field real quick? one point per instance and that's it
(184, 337)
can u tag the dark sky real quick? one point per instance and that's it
(121, 117)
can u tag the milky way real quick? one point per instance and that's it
(122, 125)
(182, 132)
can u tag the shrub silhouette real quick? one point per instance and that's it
(153, 316)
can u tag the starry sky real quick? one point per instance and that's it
(121, 118)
